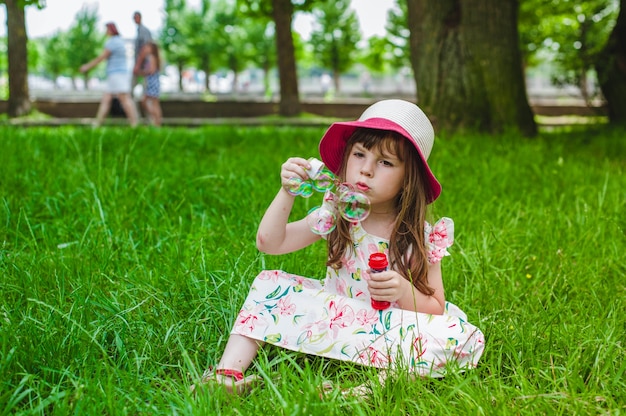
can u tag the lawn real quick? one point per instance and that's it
(125, 255)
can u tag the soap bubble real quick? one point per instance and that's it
(298, 187)
(354, 206)
(324, 181)
(322, 220)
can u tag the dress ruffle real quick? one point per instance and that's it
(439, 237)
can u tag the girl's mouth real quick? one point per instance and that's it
(362, 187)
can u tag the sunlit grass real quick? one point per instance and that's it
(125, 255)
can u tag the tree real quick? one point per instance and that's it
(19, 97)
(204, 33)
(467, 64)
(84, 41)
(569, 34)
(335, 37)
(173, 37)
(232, 42)
(611, 69)
(54, 59)
(377, 56)
(398, 35)
(260, 49)
(281, 12)
(4, 91)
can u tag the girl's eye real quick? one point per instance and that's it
(386, 163)
(358, 154)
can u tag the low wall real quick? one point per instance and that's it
(242, 109)
(200, 109)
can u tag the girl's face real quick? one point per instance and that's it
(377, 173)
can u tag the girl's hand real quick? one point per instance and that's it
(387, 286)
(294, 167)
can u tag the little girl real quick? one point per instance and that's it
(383, 155)
(150, 69)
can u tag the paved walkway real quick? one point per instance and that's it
(177, 122)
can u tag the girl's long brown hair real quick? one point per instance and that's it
(407, 247)
(154, 50)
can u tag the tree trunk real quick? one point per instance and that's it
(181, 68)
(467, 64)
(336, 78)
(611, 69)
(289, 98)
(267, 88)
(205, 65)
(19, 98)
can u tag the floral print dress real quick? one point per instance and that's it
(334, 318)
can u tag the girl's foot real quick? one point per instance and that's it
(361, 391)
(233, 381)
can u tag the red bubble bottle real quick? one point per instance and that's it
(378, 263)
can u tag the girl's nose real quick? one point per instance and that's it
(367, 169)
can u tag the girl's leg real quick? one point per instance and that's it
(129, 107)
(146, 109)
(239, 353)
(237, 357)
(155, 110)
(103, 108)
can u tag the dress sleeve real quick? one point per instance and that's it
(438, 238)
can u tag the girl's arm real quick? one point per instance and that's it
(137, 66)
(414, 300)
(104, 55)
(392, 287)
(276, 235)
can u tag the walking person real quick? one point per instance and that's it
(382, 155)
(117, 76)
(143, 36)
(151, 71)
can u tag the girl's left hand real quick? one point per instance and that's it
(386, 286)
(294, 167)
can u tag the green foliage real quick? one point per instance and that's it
(4, 82)
(260, 48)
(398, 36)
(125, 254)
(376, 56)
(569, 34)
(173, 39)
(40, 4)
(84, 40)
(335, 36)
(3, 54)
(391, 52)
(54, 59)
(264, 8)
(34, 54)
(203, 34)
(233, 38)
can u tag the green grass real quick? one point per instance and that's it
(125, 255)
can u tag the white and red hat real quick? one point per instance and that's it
(400, 116)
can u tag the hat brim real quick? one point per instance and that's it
(333, 143)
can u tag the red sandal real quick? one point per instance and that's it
(238, 383)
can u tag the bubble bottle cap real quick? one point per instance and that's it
(316, 167)
(378, 262)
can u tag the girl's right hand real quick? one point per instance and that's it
(294, 167)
